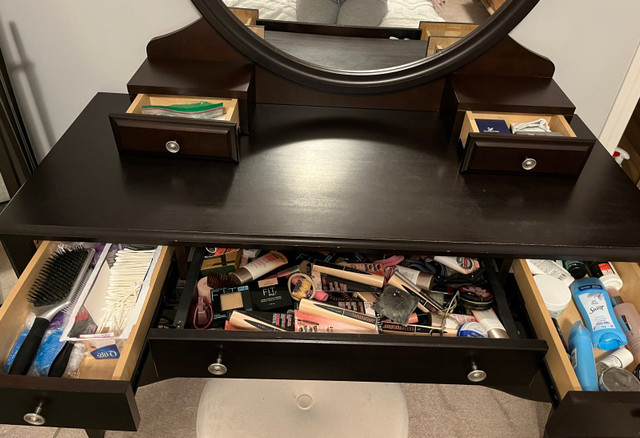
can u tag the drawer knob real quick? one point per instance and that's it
(172, 146)
(476, 375)
(218, 368)
(35, 418)
(529, 163)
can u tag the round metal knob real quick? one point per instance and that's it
(529, 163)
(35, 418)
(476, 375)
(172, 146)
(217, 368)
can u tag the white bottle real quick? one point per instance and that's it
(551, 268)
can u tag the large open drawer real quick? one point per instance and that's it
(102, 397)
(186, 352)
(581, 413)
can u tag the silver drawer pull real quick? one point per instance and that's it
(35, 418)
(172, 146)
(218, 368)
(529, 163)
(476, 375)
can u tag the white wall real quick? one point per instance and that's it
(591, 43)
(62, 52)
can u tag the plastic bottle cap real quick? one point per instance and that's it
(619, 358)
(241, 276)
(555, 294)
(609, 343)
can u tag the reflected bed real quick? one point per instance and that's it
(401, 13)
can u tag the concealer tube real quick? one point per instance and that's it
(258, 267)
(349, 273)
(420, 279)
(491, 323)
(339, 314)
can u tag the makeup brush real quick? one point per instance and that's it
(52, 291)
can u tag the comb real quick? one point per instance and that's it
(52, 291)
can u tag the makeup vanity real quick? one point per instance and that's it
(366, 161)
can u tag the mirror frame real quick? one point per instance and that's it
(220, 17)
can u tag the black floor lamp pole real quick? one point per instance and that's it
(17, 160)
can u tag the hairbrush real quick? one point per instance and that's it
(61, 360)
(52, 291)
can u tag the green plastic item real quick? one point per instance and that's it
(187, 107)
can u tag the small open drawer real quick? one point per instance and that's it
(512, 153)
(158, 134)
(581, 413)
(102, 397)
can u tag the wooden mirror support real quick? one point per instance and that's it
(368, 82)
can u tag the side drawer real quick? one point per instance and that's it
(102, 397)
(523, 154)
(581, 413)
(177, 136)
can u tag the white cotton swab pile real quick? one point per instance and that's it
(126, 277)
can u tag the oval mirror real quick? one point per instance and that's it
(363, 46)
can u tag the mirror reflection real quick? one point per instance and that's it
(362, 35)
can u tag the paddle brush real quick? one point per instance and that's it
(52, 291)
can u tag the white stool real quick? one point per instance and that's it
(232, 408)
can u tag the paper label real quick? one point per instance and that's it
(552, 269)
(409, 274)
(574, 357)
(268, 282)
(108, 352)
(596, 307)
(606, 269)
(464, 262)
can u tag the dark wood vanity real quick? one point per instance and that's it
(351, 162)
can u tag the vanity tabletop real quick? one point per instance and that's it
(325, 178)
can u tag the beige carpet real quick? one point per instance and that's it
(464, 11)
(168, 410)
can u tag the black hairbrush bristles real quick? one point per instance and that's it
(57, 276)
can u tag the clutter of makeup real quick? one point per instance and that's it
(328, 292)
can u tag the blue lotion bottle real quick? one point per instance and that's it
(594, 303)
(582, 358)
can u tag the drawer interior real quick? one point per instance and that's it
(560, 367)
(180, 350)
(458, 30)
(16, 309)
(557, 123)
(231, 113)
